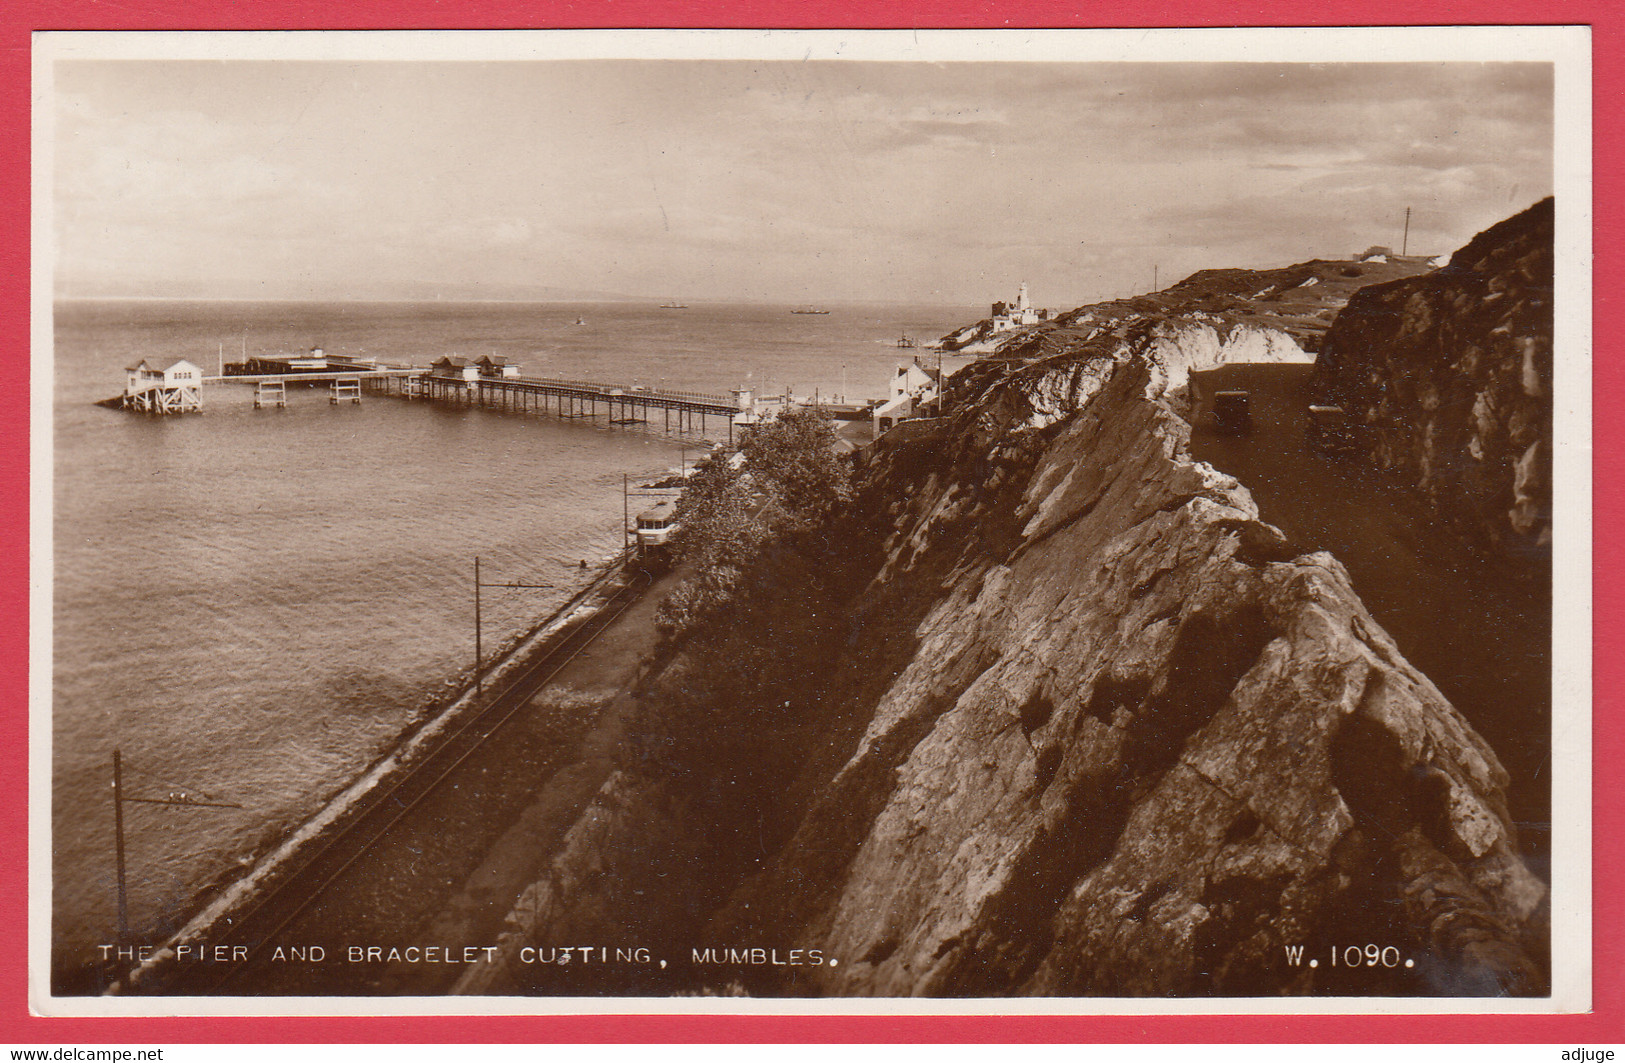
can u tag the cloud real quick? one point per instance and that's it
(179, 165)
(777, 176)
(1273, 112)
(859, 119)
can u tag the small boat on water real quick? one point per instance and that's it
(579, 321)
(905, 340)
(674, 306)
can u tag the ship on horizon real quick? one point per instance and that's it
(809, 310)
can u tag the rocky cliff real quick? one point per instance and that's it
(1081, 723)
(1452, 375)
(1148, 751)
(1298, 301)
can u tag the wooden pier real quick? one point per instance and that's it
(272, 393)
(179, 389)
(161, 390)
(162, 400)
(682, 411)
(271, 389)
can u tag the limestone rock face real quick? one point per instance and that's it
(1141, 746)
(1452, 374)
(1297, 301)
(1148, 751)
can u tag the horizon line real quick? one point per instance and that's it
(957, 304)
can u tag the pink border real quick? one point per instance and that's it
(20, 17)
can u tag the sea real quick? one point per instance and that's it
(250, 606)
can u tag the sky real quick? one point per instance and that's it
(772, 181)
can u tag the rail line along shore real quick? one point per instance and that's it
(1061, 707)
(260, 842)
(850, 628)
(224, 924)
(1099, 516)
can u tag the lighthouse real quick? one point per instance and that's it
(1008, 316)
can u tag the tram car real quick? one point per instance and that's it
(655, 528)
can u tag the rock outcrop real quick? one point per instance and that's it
(1451, 373)
(1152, 752)
(1131, 743)
(1299, 301)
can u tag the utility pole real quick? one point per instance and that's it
(626, 514)
(479, 654)
(119, 798)
(1405, 241)
(942, 385)
(1154, 270)
(118, 830)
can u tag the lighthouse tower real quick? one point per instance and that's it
(1021, 298)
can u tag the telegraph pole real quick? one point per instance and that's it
(479, 654)
(1405, 241)
(1154, 270)
(118, 831)
(942, 385)
(119, 798)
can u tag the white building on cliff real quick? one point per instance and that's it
(914, 390)
(1007, 317)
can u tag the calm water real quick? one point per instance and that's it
(253, 604)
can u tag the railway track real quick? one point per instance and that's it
(249, 934)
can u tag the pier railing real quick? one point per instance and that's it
(158, 397)
(619, 389)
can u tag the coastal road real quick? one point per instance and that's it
(1467, 624)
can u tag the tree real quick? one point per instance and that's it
(717, 535)
(727, 520)
(793, 463)
(715, 525)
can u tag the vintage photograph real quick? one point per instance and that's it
(551, 518)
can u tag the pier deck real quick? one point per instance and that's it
(619, 404)
(326, 376)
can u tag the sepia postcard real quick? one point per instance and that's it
(782, 522)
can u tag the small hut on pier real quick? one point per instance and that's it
(176, 388)
(455, 367)
(493, 365)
